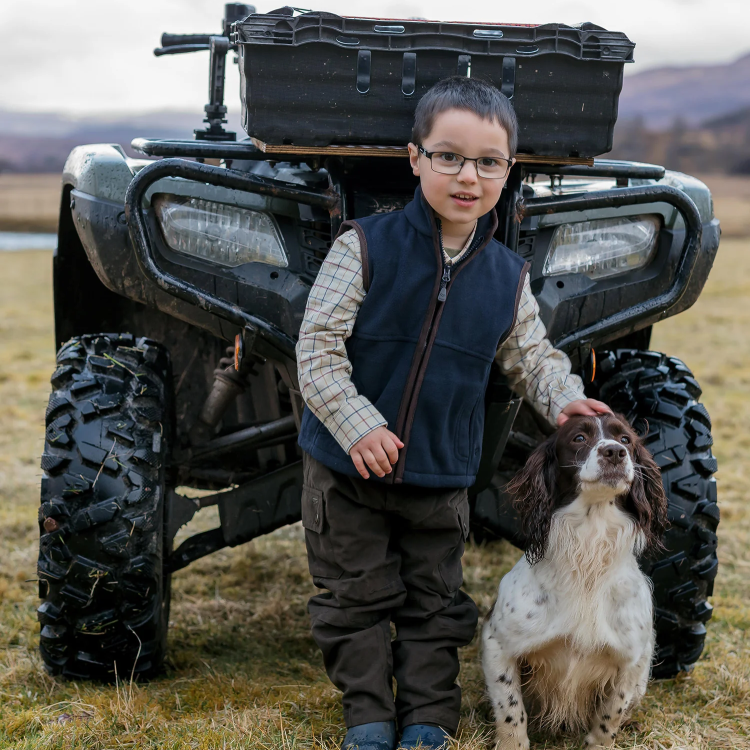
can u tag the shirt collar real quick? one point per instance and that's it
(450, 261)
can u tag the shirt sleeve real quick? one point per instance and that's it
(534, 368)
(323, 367)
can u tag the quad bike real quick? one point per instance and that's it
(179, 288)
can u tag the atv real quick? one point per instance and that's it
(180, 282)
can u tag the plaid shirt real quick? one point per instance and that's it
(534, 368)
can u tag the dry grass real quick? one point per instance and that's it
(731, 194)
(243, 671)
(29, 202)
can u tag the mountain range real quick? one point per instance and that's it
(693, 95)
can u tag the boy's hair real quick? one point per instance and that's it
(472, 94)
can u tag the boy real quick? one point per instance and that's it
(400, 396)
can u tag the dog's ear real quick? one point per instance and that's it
(532, 491)
(647, 501)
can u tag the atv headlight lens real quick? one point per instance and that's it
(219, 233)
(602, 247)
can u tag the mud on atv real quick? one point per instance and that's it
(179, 288)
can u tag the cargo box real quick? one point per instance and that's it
(318, 79)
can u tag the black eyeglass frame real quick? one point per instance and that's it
(429, 154)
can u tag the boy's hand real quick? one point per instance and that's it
(586, 407)
(378, 450)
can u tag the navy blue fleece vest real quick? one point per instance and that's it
(424, 363)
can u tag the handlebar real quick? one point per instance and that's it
(180, 49)
(176, 44)
(179, 44)
(174, 40)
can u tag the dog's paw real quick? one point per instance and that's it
(598, 738)
(513, 743)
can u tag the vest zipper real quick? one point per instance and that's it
(442, 296)
(446, 278)
(443, 293)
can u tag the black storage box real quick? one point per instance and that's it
(318, 79)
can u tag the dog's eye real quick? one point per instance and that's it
(625, 439)
(579, 439)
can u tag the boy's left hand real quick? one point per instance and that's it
(586, 407)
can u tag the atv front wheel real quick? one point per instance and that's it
(660, 397)
(101, 521)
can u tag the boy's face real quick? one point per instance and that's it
(460, 199)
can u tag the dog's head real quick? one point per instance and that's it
(601, 455)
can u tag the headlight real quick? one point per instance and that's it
(602, 247)
(218, 232)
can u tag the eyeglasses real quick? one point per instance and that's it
(447, 162)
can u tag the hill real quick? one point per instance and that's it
(34, 142)
(721, 144)
(691, 94)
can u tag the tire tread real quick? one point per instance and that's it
(660, 394)
(101, 475)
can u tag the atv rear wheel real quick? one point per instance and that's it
(101, 520)
(660, 396)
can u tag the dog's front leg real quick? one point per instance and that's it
(625, 694)
(504, 688)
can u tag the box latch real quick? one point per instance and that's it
(364, 64)
(509, 77)
(409, 74)
(464, 66)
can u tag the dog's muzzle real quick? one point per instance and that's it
(609, 463)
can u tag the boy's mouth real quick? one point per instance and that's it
(464, 199)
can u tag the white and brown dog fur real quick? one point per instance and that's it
(569, 641)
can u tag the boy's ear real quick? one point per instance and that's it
(414, 159)
(512, 164)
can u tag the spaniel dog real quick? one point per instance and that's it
(569, 641)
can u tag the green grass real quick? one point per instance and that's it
(242, 670)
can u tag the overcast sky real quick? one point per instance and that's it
(86, 56)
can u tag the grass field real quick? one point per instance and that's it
(731, 194)
(243, 671)
(29, 202)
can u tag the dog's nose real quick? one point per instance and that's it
(613, 453)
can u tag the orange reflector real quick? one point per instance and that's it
(237, 351)
(593, 364)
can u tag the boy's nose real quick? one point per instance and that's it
(468, 172)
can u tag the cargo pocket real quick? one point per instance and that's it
(320, 557)
(462, 508)
(450, 566)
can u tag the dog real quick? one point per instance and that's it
(569, 641)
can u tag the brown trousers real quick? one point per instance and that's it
(388, 554)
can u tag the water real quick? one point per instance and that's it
(12, 241)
